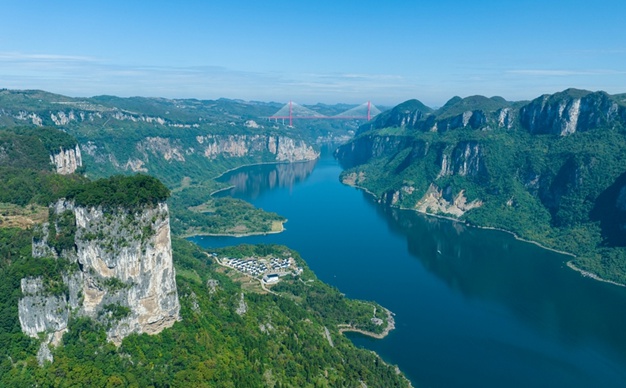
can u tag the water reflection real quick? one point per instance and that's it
(531, 282)
(255, 180)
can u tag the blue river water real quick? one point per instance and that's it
(474, 307)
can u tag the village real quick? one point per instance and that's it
(268, 269)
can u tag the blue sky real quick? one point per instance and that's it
(313, 51)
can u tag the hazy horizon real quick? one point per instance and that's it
(312, 53)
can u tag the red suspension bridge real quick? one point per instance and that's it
(291, 111)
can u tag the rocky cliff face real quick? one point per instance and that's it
(67, 161)
(571, 111)
(125, 277)
(367, 147)
(560, 114)
(284, 149)
(474, 112)
(409, 114)
(83, 113)
(464, 158)
(127, 260)
(476, 119)
(438, 201)
(431, 172)
(267, 148)
(162, 137)
(38, 314)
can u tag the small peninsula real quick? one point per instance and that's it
(282, 272)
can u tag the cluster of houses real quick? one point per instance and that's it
(271, 269)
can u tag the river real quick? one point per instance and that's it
(474, 307)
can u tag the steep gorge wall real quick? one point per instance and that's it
(465, 146)
(139, 155)
(283, 149)
(401, 154)
(365, 148)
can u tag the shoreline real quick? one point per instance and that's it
(390, 321)
(571, 265)
(212, 193)
(261, 164)
(282, 226)
(282, 229)
(391, 325)
(592, 275)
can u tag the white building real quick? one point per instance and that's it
(271, 278)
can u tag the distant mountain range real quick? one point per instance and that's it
(565, 112)
(173, 139)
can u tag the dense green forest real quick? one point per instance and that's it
(118, 190)
(26, 173)
(226, 216)
(559, 189)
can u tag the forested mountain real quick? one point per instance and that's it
(88, 296)
(550, 170)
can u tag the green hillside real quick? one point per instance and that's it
(288, 337)
(550, 170)
(277, 342)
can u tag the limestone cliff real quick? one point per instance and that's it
(474, 112)
(571, 111)
(189, 150)
(124, 277)
(38, 314)
(283, 149)
(561, 114)
(66, 161)
(435, 202)
(464, 158)
(401, 155)
(170, 139)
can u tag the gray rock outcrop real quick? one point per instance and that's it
(124, 277)
(67, 161)
(284, 149)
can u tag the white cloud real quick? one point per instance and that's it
(34, 58)
(563, 73)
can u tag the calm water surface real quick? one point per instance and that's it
(474, 308)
